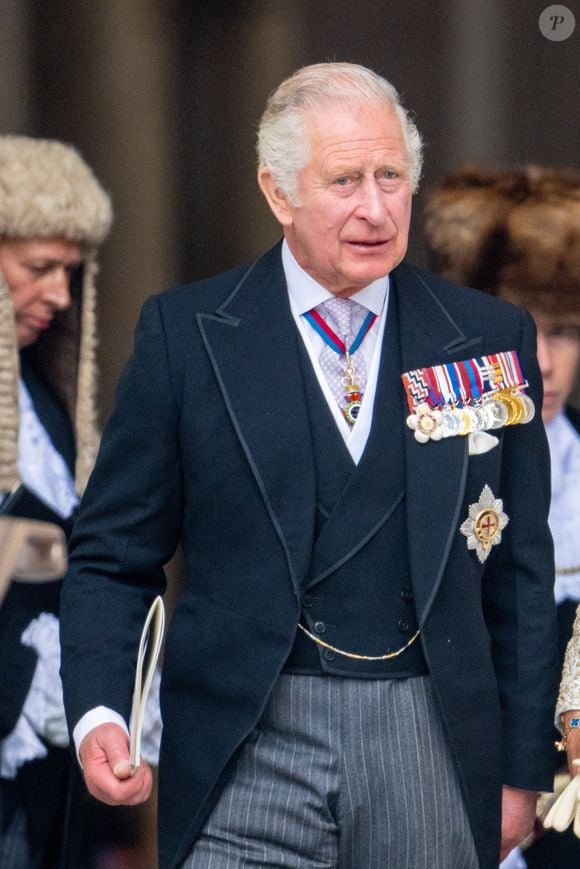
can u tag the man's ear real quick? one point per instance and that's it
(276, 198)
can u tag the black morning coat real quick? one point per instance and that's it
(210, 445)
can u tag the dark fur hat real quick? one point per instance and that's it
(514, 234)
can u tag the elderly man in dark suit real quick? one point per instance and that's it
(362, 663)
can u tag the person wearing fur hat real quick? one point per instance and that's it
(54, 214)
(516, 234)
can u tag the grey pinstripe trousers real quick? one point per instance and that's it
(348, 773)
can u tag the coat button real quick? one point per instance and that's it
(329, 655)
(307, 600)
(403, 625)
(407, 595)
(319, 627)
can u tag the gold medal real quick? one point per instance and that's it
(513, 407)
(468, 421)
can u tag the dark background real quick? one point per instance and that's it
(163, 97)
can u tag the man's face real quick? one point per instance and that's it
(37, 272)
(558, 357)
(352, 224)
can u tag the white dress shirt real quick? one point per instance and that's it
(564, 515)
(304, 294)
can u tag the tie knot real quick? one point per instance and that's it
(340, 311)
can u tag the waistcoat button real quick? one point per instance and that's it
(319, 627)
(403, 625)
(329, 655)
(407, 595)
(307, 600)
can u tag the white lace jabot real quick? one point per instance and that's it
(41, 467)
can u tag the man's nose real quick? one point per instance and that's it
(373, 205)
(544, 354)
(58, 289)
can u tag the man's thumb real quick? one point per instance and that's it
(122, 768)
(118, 755)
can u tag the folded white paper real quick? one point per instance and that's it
(149, 649)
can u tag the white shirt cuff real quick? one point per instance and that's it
(93, 718)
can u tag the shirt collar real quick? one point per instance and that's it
(305, 293)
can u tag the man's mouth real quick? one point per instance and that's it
(369, 244)
(40, 325)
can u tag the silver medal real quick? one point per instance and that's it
(499, 412)
(451, 423)
(529, 408)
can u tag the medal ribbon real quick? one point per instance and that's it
(330, 337)
(465, 382)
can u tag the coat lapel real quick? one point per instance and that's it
(252, 345)
(435, 471)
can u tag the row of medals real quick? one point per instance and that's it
(502, 407)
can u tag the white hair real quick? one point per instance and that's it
(283, 143)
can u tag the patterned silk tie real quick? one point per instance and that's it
(338, 314)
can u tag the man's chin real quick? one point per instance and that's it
(26, 338)
(363, 274)
(550, 410)
(374, 260)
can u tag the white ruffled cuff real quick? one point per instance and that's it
(42, 715)
(20, 746)
(44, 705)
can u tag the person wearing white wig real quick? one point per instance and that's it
(54, 214)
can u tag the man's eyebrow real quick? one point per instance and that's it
(344, 168)
(50, 260)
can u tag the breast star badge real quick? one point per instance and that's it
(485, 523)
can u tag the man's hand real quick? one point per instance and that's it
(104, 754)
(518, 813)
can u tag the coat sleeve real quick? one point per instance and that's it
(128, 528)
(518, 595)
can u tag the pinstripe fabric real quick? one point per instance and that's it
(347, 773)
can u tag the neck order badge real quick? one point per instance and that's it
(350, 399)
